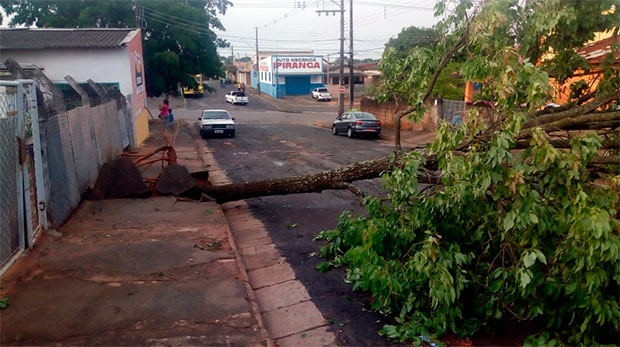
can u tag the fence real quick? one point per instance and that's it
(9, 168)
(78, 143)
(48, 161)
(19, 215)
(453, 111)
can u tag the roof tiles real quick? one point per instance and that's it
(63, 38)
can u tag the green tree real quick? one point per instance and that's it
(515, 223)
(176, 35)
(399, 52)
(413, 37)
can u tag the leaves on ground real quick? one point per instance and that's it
(209, 244)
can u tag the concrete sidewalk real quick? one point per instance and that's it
(134, 272)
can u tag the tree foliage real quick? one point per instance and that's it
(177, 36)
(524, 225)
(413, 37)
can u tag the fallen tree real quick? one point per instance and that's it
(340, 178)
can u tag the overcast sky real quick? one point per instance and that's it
(295, 25)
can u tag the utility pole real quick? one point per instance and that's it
(136, 12)
(351, 54)
(257, 63)
(341, 78)
(232, 58)
(328, 65)
(341, 74)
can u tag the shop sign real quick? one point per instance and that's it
(297, 64)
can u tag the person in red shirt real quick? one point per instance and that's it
(164, 110)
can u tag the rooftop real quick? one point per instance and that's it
(595, 52)
(45, 38)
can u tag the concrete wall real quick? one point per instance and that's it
(100, 65)
(385, 113)
(138, 87)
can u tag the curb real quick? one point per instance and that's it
(243, 272)
(321, 125)
(267, 101)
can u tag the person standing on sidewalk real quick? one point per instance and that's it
(164, 111)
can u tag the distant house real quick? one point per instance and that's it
(105, 55)
(244, 71)
(334, 75)
(593, 53)
(371, 72)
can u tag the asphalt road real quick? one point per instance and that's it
(272, 145)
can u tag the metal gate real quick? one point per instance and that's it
(298, 85)
(18, 194)
(453, 111)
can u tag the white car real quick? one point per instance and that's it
(237, 98)
(216, 122)
(321, 94)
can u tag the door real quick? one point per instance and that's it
(343, 123)
(298, 85)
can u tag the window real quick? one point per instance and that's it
(364, 115)
(270, 77)
(316, 79)
(215, 115)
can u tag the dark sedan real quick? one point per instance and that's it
(357, 123)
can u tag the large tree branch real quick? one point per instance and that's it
(565, 143)
(571, 112)
(568, 121)
(310, 183)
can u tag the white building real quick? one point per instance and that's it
(104, 55)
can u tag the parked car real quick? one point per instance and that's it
(321, 94)
(215, 122)
(237, 98)
(357, 123)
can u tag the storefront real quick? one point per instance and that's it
(281, 75)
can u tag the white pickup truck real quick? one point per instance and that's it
(321, 94)
(237, 98)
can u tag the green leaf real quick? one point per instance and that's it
(324, 266)
(529, 259)
(540, 256)
(509, 221)
(524, 279)
(292, 225)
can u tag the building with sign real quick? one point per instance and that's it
(287, 73)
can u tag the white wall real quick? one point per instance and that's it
(101, 65)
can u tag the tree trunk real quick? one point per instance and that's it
(310, 183)
(397, 146)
